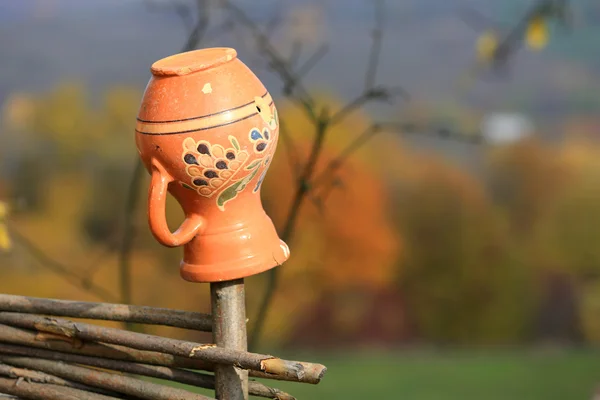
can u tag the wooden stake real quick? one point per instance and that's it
(229, 331)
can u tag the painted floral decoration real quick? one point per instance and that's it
(214, 169)
(211, 166)
(261, 146)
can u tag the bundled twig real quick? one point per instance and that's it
(177, 375)
(9, 334)
(296, 370)
(44, 391)
(41, 377)
(104, 380)
(106, 311)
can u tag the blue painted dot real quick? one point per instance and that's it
(255, 134)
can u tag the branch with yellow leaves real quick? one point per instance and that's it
(495, 49)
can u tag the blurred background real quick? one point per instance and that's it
(446, 245)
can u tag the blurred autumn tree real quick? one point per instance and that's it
(349, 245)
(458, 275)
(393, 244)
(573, 230)
(347, 242)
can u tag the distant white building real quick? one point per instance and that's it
(505, 128)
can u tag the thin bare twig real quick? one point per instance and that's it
(293, 87)
(275, 21)
(295, 53)
(196, 35)
(106, 311)
(312, 61)
(375, 54)
(292, 150)
(372, 94)
(475, 19)
(337, 162)
(95, 266)
(126, 246)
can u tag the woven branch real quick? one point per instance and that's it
(299, 371)
(9, 334)
(178, 375)
(41, 377)
(44, 391)
(107, 311)
(105, 380)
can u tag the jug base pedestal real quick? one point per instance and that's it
(234, 270)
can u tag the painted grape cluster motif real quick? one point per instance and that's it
(225, 171)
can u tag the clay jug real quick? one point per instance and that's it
(206, 131)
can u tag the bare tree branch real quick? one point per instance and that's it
(197, 33)
(126, 247)
(337, 162)
(295, 53)
(375, 54)
(558, 9)
(372, 94)
(293, 88)
(312, 61)
(475, 19)
(292, 150)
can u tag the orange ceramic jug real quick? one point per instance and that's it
(206, 131)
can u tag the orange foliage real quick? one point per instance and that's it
(351, 243)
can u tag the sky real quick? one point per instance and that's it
(426, 48)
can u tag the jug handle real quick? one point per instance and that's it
(157, 200)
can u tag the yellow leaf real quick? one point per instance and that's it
(5, 242)
(487, 44)
(536, 36)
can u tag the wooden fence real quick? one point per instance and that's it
(45, 357)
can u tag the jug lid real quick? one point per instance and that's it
(192, 61)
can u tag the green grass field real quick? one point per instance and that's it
(464, 375)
